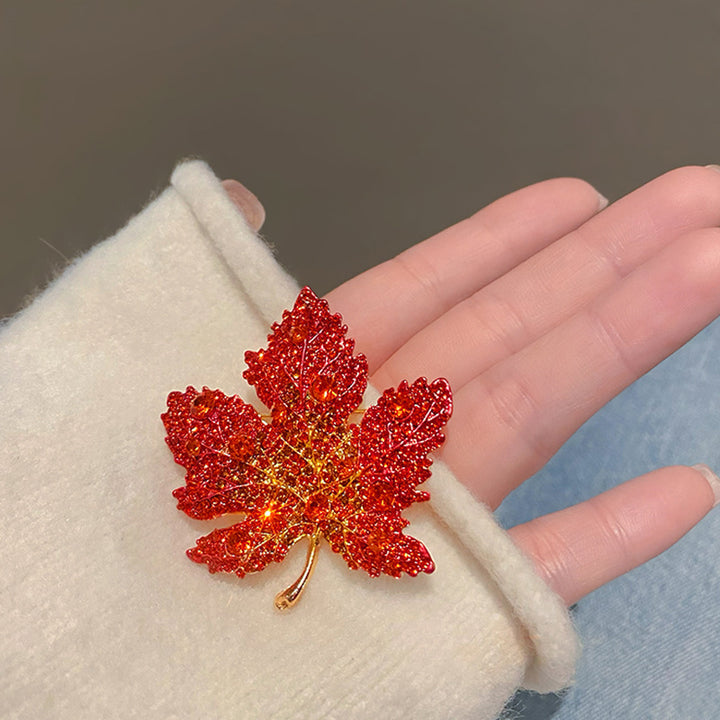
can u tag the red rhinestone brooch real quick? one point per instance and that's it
(315, 466)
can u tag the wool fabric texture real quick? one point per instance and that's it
(103, 616)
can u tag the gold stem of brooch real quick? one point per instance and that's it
(288, 597)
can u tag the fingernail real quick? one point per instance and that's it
(716, 168)
(248, 203)
(711, 477)
(603, 202)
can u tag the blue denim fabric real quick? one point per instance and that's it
(651, 638)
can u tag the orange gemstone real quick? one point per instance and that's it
(297, 333)
(203, 404)
(193, 446)
(401, 407)
(237, 543)
(322, 389)
(316, 507)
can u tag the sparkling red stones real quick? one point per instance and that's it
(274, 517)
(240, 447)
(345, 466)
(314, 470)
(374, 543)
(378, 496)
(424, 557)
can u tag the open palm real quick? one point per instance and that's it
(539, 309)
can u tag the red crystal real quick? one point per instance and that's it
(203, 403)
(317, 507)
(193, 446)
(322, 388)
(401, 407)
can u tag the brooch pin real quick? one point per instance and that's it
(316, 465)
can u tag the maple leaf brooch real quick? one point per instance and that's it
(320, 467)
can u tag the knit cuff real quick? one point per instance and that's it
(102, 614)
(540, 612)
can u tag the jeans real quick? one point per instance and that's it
(651, 639)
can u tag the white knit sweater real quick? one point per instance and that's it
(101, 613)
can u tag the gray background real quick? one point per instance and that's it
(363, 127)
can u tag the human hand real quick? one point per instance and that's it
(539, 310)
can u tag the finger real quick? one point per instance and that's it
(552, 285)
(247, 203)
(511, 419)
(421, 283)
(578, 549)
